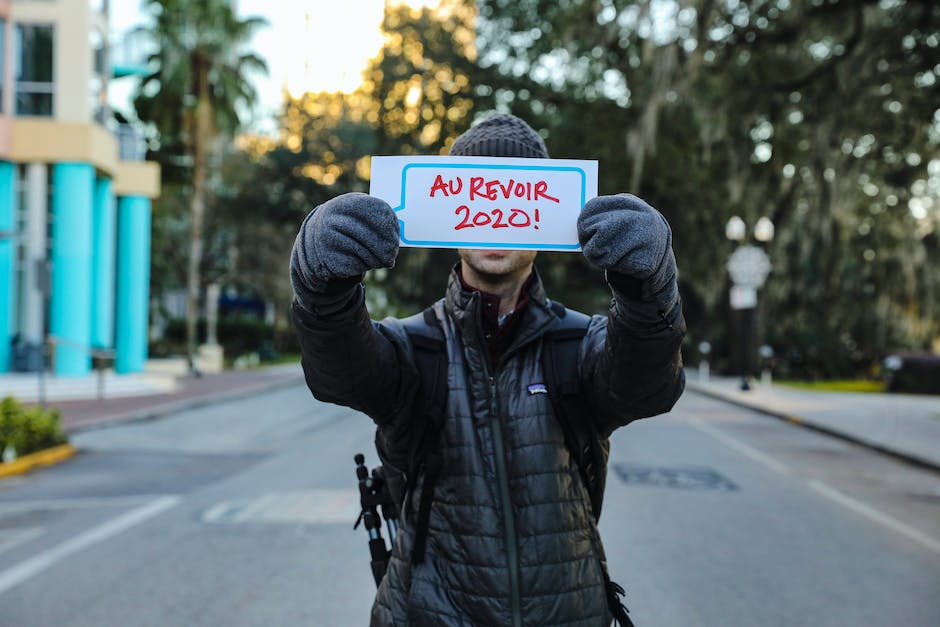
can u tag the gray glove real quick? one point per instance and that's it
(633, 242)
(339, 241)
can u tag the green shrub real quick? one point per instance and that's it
(837, 385)
(28, 429)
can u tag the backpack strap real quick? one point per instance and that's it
(430, 353)
(560, 357)
(560, 360)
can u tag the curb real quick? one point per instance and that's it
(32, 461)
(162, 409)
(907, 458)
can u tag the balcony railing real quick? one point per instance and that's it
(132, 145)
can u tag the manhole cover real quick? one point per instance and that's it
(683, 477)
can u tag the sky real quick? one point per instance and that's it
(309, 45)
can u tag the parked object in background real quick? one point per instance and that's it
(914, 373)
(26, 355)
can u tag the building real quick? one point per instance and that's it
(75, 195)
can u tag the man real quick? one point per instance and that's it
(511, 538)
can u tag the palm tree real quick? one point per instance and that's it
(194, 96)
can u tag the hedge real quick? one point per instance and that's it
(28, 429)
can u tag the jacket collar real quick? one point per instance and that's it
(464, 308)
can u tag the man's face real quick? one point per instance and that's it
(496, 266)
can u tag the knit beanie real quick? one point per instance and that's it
(500, 135)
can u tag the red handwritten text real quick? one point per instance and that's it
(492, 189)
(481, 189)
(450, 188)
(495, 218)
(495, 189)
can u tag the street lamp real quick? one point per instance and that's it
(748, 266)
(764, 230)
(735, 230)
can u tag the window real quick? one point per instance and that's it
(34, 59)
(98, 83)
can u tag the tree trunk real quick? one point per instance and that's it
(193, 279)
(670, 73)
(200, 141)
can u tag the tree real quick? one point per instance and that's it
(321, 152)
(821, 114)
(421, 93)
(193, 97)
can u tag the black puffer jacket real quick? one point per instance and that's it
(512, 540)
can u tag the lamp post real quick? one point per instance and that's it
(748, 266)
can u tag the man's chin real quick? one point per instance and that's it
(495, 262)
(493, 265)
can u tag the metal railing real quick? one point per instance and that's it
(132, 145)
(101, 360)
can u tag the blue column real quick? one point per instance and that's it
(70, 315)
(133, 283)
(7, 260)
(102, 301)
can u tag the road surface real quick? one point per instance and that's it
(241, 514)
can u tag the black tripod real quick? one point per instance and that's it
(374, 493)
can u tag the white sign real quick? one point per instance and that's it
(749, 267)
(486, 202)
(743, 297)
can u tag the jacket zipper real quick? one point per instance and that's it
(502, 476)
(509, 523)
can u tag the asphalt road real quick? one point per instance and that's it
(241, 515)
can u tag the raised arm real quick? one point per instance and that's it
(632, 365)
(347, 358)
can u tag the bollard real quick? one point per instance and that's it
(767, 362)
(101, 360)
(704, 348)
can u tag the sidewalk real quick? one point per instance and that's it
(905, 426)
(130, 397)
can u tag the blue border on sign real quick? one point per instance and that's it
(466, 244)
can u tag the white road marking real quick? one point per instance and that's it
(874, 515)
(741, 447)
(75, 503)
(829, 492)
(311, 507)
(16, 575)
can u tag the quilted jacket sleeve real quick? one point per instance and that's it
(350, 360)
(631, 362)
